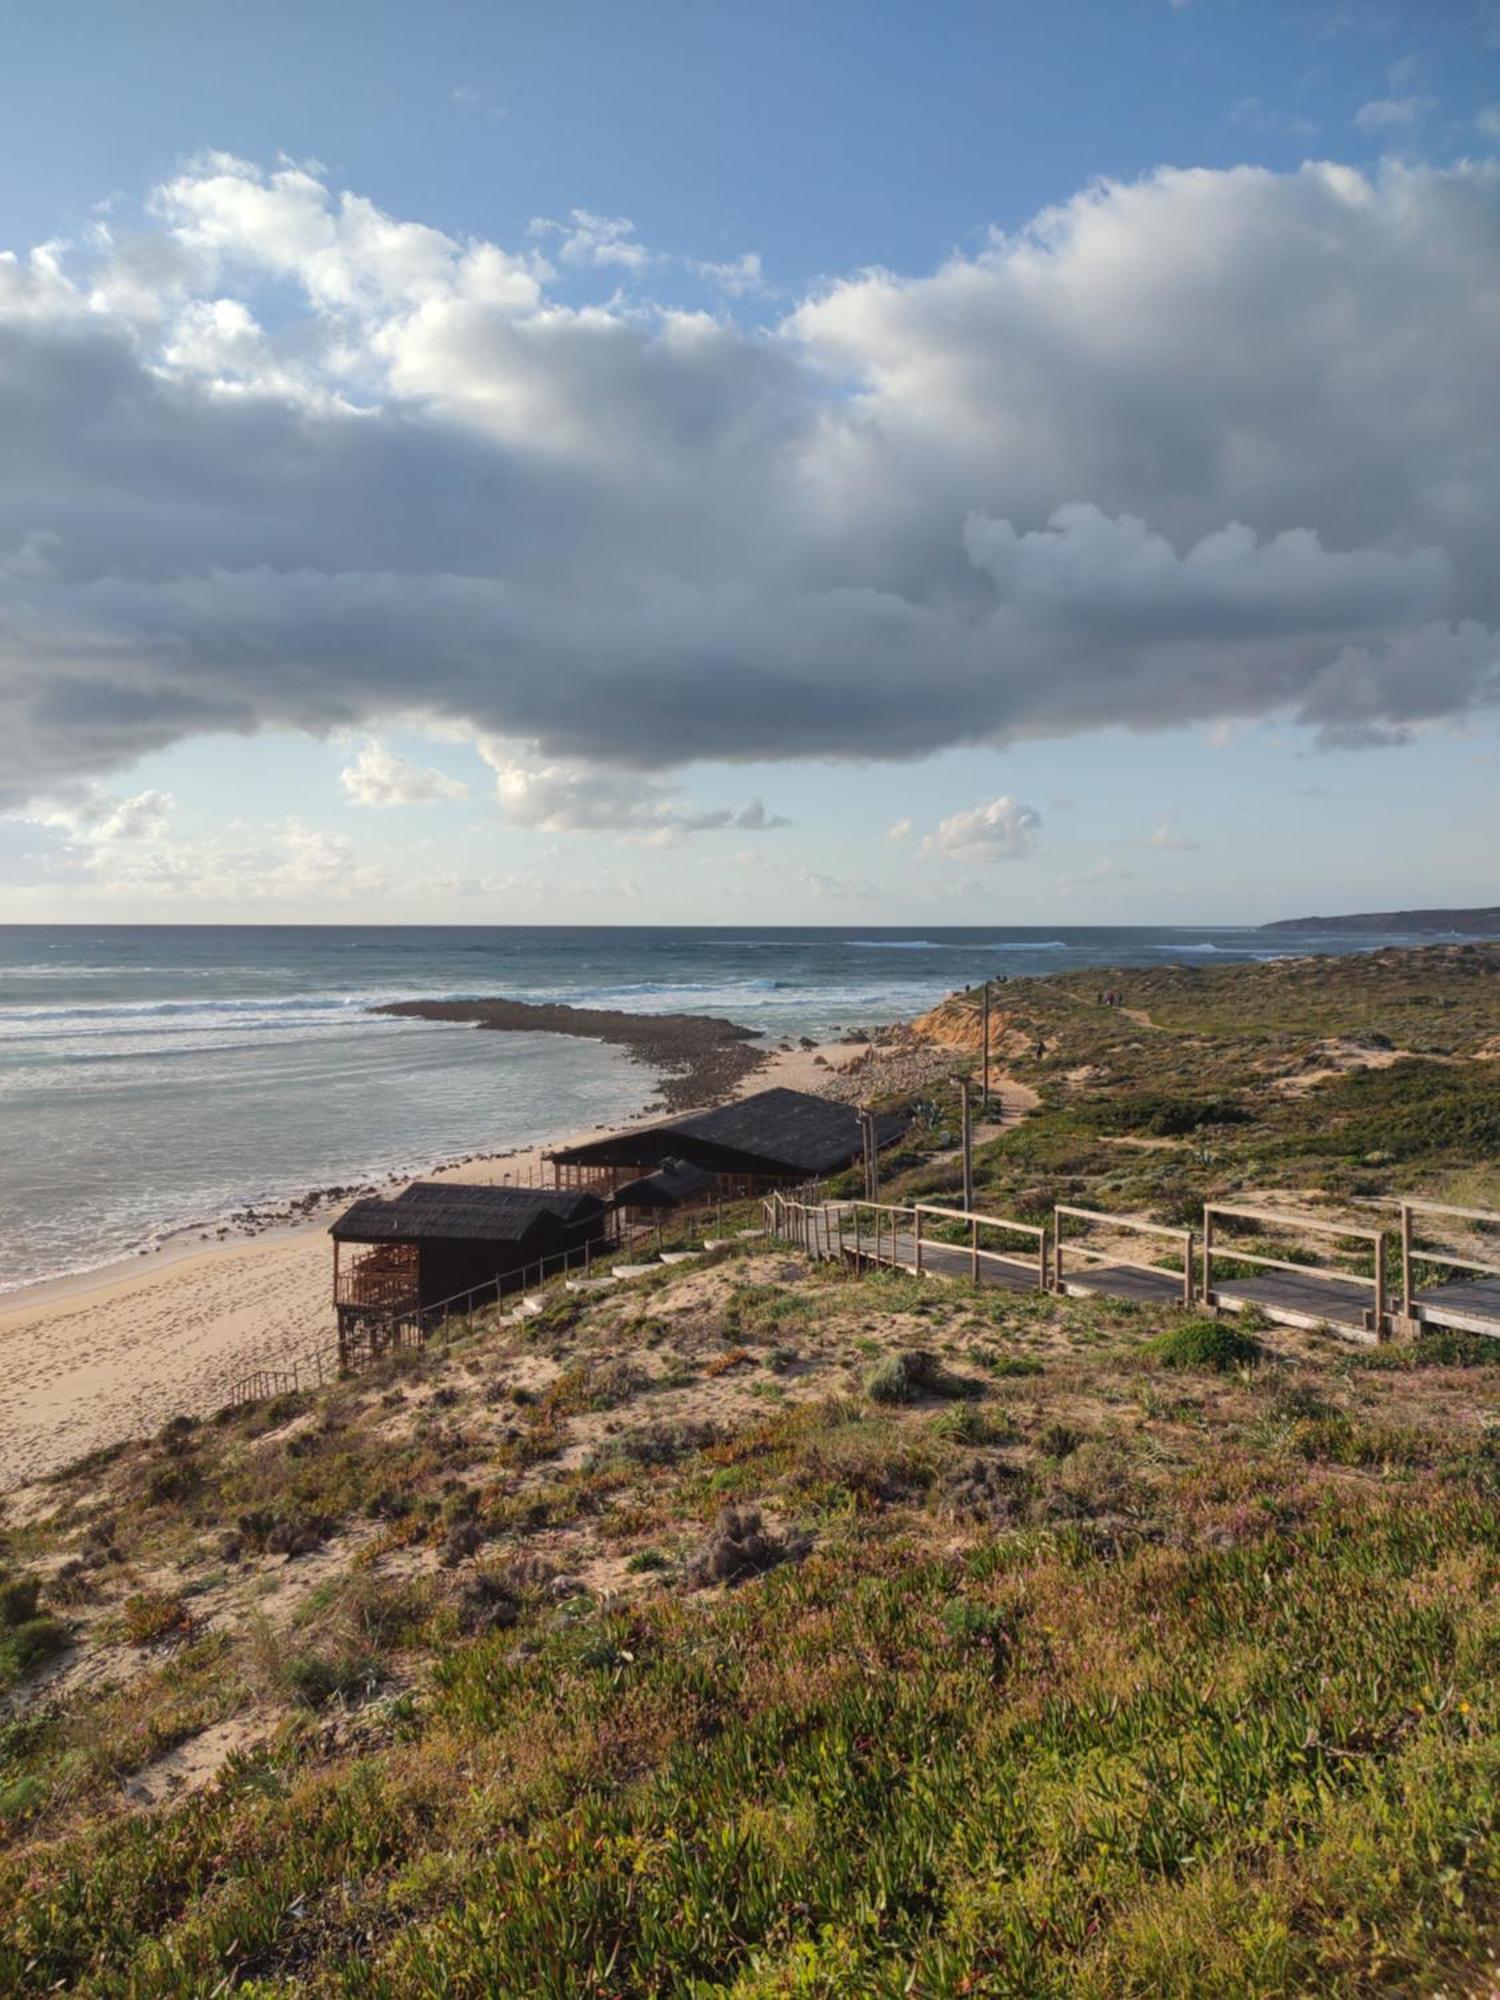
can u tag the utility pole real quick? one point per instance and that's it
(968, 1132)
(984, 1017)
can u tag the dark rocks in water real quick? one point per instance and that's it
(703, 1056)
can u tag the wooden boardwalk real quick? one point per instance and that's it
(1126, 1281)
(944, 1260)
(1309, 1301)
(1472, 1305)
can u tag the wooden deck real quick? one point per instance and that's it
(1310, 1301)
(1124, 1281)
(1472, 1305)
(941, 1260)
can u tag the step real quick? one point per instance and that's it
(587, 1284)
(680, 1256)
(634, 1270)
(744, 1235)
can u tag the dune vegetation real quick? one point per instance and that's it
(765, 1627)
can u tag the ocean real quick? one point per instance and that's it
(156, 1080)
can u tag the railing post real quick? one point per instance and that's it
(1208, 1254)
(1380, 1285)
(859, 1255)
(1057, 1250)
(916, 1228)
(974, 1248)
(1042, 1259)
(1187, 1267)
(1408, 1300)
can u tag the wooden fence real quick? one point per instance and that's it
(1277, 1219)
(1449, 1261)
(1135, 1223)
(836, 1229)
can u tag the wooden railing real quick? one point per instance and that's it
(1276, 1219)
(811, 1224)
(312, 1370)
(1450, 1262)
(1135, 1223)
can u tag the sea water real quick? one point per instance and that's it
(155, 1080)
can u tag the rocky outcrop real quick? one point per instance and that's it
(956, 1023)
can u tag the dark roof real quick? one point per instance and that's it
(674, 1181)
(788, 1129)
(454, 1213)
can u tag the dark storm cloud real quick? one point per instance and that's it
(1212, 445)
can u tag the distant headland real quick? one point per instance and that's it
(1441, 923)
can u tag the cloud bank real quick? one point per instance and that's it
(1209, 446)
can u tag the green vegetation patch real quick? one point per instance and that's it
(1162, 1117)
(1208, 1344)
(1413, 1110)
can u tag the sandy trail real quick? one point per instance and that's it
(88, 1362)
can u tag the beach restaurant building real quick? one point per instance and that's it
(770, 1139)
(396, 1260)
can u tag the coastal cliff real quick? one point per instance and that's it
(956, 1023)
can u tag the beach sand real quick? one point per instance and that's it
(87, 1362)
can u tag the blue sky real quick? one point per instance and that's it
(748, 463)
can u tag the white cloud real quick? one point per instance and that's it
(1100, 876)
(95, 821)
(1393, 114)
(738, 276)
(901, 830)
(282, 460)
(839, 888)
(379, 777)
(1166, 841)
(576, 798)
(1003, 830)
(586, 238)
(1487, 124)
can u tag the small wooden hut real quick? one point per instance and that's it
(770, 1139)
(396, 1262)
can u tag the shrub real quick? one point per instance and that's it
(1203, 1344)
(1167, 1117)
(152, 1617)
(35, 1640)
(1443, 1347)
(18, 1601)
(966, 1423)
(1014, 1366)
(742, 1546)
(317, 1679)
(1059, 1441)
(900, 1378)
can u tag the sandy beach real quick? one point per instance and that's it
(91, 1360)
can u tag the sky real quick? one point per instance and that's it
(748, 463)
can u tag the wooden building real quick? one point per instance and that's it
(396, 1263)
(675, 1184)
(770, 1139)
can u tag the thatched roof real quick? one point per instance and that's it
(674, 1182)
(777, 1131)
(450, 1213)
